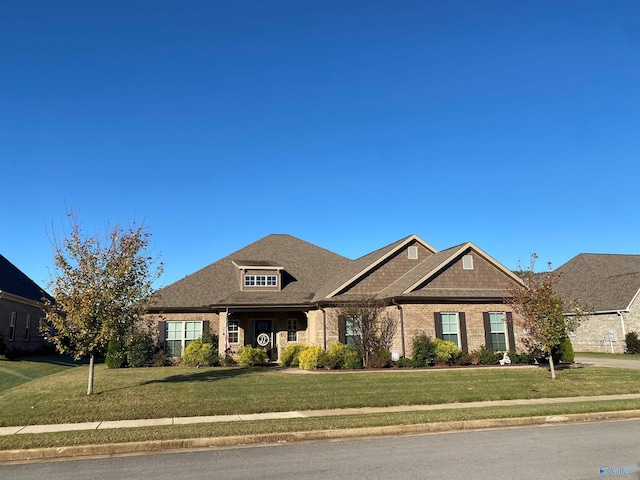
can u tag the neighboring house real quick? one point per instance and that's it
(608, 286)
(20, 309)
(282, 290)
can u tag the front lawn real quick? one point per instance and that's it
(181, 391)
(16, 372)
(617, 356)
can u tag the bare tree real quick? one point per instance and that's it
(369, 325)
(101, 287)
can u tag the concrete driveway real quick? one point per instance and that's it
(608, 362)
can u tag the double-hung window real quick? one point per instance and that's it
(292, 330)
(233, 330)
(450, 327)
(352, 331)
(498, 331)
(180, 334)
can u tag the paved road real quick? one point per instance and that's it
(577, 451)
(608, 362)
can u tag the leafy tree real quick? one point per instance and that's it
(101, 287)
(541, 312)
(372, 328)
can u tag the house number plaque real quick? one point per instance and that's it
(263, 340)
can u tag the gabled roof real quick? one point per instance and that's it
(601, 282)
(357, 269)
(14, 281)
(305, 268)
(420, 275)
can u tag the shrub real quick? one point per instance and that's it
(291, 355)
(159, 359)
(227, 360)
(341, 356)
(210, 338)
(424, 352)
(310, 358)
(141, 349)
(251, 357)
(446, 352)
(198, 354)
(631, 339)
(563, 352)
(488, 356)
(522, 358)
(467, 358)
(380, 358)
(405, 363)
(116, 354)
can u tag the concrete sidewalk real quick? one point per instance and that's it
(26, 429)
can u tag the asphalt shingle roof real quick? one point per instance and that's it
(602, 282)
(13, 280)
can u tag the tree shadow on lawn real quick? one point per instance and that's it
(206, 375)
(54, 359)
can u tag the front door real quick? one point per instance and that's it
(264, 337)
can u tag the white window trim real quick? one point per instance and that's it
(457, 326)
(27, 333)
(504, 328)
(233, 327)
(184, 341)
(12, 327)
(467, 262)
(260, 280)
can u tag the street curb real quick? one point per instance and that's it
(113, 449)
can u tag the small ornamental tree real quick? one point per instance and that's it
(541, 311)
(101, 287)
(370, 326)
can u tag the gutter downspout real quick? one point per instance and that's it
(624, 332)
(401, 326)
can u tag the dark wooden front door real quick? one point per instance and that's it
(265, 337)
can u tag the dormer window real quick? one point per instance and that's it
(259, 275)
(260, 281)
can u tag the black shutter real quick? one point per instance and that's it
(342, 327)
(161, 331)
(438, 324)
(510, 333)
(463, 331)
(205, 327)
(487, 330)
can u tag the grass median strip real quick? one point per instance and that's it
(95, 437)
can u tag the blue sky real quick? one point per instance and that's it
(349, 124)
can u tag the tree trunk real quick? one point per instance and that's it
(552, 368)
(91, 365)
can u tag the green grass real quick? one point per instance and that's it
(180, 391)
(93, 437)
(17, 372)
(618, 356)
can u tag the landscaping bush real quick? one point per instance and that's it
(310, 358)
(251, 357)
(116, 354)
(522, 358)
(227, 360)
(159, 359)
(563, 352)
(291, 355)
(631, 339)
(468, 358)
(424, 352)
(341, 356)
(141, 349)
(405, 363)
(446, 352)
(380, 358)
(488, 356)
(198, 353)
(210, 338)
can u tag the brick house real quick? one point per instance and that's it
(608, 285)
(20, 309)
(282, 290)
